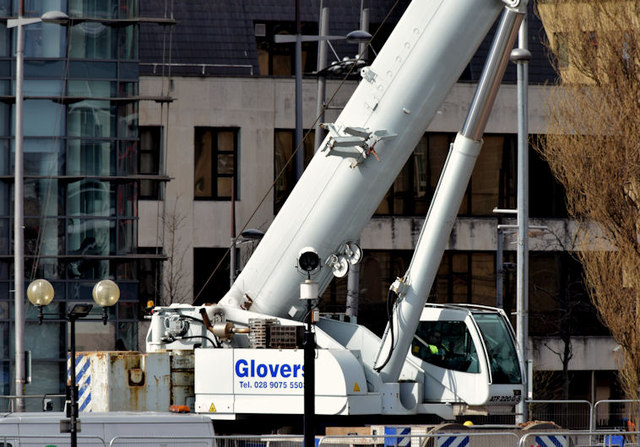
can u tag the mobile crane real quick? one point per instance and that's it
(247, 360)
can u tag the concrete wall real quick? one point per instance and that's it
(470, 234)
(589, 353)
(258, 106)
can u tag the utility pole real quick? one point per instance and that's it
(521, 57)
(322, 81)
(18, 220)
(298, 62)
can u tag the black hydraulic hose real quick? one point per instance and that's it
(201, 336)
(189, 317)
(390, 303)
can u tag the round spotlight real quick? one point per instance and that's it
(308, 259)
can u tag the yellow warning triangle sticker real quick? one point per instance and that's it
(212, 408)
(356, 387)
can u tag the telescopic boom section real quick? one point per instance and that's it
(413, 289)
(365, 150)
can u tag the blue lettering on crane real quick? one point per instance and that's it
(249, 368)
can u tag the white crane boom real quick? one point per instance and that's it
(340, 189)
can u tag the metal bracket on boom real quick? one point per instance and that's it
(399, 287)
(359, 138)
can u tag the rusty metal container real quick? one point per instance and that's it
(123, 381)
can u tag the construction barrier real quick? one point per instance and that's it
(616, 413)
(568, 414)
(476, 437)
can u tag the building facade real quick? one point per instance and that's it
(81, 95)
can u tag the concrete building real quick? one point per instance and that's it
(81, 179)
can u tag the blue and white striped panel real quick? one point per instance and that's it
(397, 436)
(551, 441)
(453, 441)
(83, 380)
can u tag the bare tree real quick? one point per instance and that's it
(569, 310)
(593, 149)
(175, 289)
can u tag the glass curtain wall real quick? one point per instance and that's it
(80, 158)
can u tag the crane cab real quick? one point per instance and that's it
(468, 354)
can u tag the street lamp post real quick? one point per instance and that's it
(18, 189)
(78, 311)
(105, 293)
(308, 262)
(18, 219)
(357, 36)
(521, 57)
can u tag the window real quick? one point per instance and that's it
(549, 197)
(465, 277)
(149, 155)
(493, 181)
(216, 151)
(285, 166)
(278, 59)
(502, 353)
(380, 33)
(210, 274)
(413, 189)
(447, 344)
(149, 276)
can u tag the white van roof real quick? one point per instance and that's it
(122, 417)
(145, 427)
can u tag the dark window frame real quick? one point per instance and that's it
(155, 152)
(216, 152)
(284, 165)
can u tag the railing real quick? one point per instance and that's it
(619, 414)
(582, 438)
(569, 414)
(48, 440)
(202, 67)
(7, 403)
(602, 419)
(459, 437)
(164, 441)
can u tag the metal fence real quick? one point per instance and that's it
(60, 440)
(404, 436)
(607, 422)
(568, 414)
(34, 402)
(616, 413)
(50, 440)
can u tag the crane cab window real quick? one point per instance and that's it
(447, 344)
(501, 349)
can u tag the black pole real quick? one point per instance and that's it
(309, 381)
(73, 387)
(298, 93)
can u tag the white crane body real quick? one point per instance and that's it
(247, 360)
